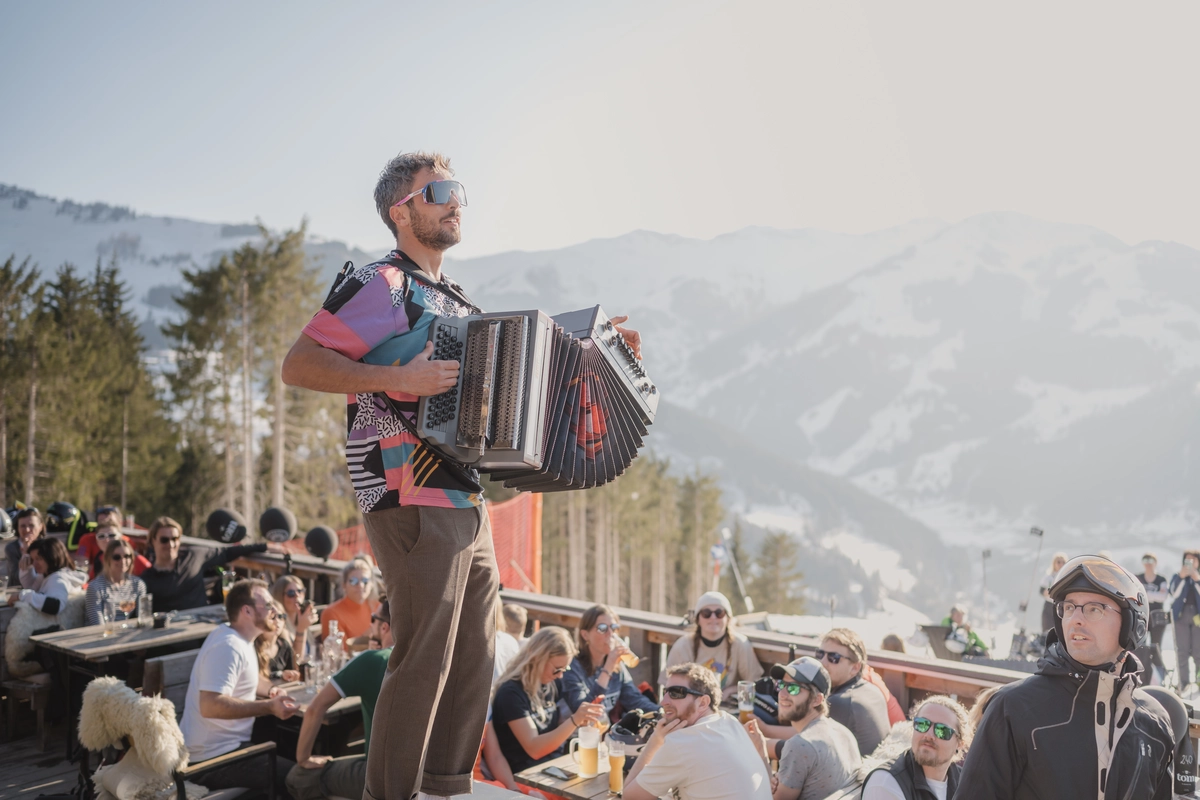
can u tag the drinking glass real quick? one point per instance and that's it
(228, 579)
(107, 612)
(629, 659)
(145, 611)
(586, 751)
(745, 696)
(3, 584)
(616, 767)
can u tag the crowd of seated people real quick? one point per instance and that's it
(830, 735)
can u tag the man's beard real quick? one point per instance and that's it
(266, 622)
(432, 234)
(927, 758)
(798, 711)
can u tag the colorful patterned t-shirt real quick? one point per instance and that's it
(379, 315)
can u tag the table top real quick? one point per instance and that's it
(574, 789)
(303, 695)
(90, 644)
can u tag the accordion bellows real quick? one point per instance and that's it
(542, 403)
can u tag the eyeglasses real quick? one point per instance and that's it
(1149, 561)
(358, 581)
(123, 556)
(705, 613)
(270, 611)
(168, 539)
(105, 510)
(791, 688)
(940, 729)
(608, 627)
(832, 658)
(296, 593)
(105, 535)
(435, 193)
(1092, 612)
(680, 692)
(559, 670)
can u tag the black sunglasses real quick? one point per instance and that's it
(560, 670)
(832, 658)
(297, 593)
(680, 692)
(105, 510)
(940, 729)
(123, 556)
(719, 613)
(168, 539)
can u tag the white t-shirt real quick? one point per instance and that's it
(506, 647)
(226, 665)
(882, 786)
(711, 760)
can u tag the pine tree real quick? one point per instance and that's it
(777, 583)
(18, 304)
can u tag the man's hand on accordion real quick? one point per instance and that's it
(425, 377)
(632, 337)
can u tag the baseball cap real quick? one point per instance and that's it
(805, 669)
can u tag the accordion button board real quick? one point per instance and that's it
(542, 403)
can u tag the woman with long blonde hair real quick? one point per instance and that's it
(525, 710)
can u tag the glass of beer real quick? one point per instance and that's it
(585, 749)
(745, 696)
(629, 659)
(616, 767)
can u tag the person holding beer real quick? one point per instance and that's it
(525, 713)
(697, 752)
(716, 645)
(601, 669)
(821, 757)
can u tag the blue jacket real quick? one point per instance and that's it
(579, 688)
(1179, 591)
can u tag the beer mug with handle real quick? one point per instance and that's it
(585, 749)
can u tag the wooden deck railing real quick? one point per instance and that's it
(652, 634)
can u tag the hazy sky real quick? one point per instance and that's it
(570, 121)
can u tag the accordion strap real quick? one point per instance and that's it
(465, 474)
(445, 285)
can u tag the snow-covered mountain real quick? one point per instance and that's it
(921, 389)
(152, 251)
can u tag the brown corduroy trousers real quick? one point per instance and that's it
(439, 568)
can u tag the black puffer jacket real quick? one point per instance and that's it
(1040, 738)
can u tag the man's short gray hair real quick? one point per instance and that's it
(397, 178)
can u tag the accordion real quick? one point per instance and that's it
(542, 403)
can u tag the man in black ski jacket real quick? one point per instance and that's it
(1080, 727)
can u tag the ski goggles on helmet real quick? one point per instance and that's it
(1104, 576)
(435, 193)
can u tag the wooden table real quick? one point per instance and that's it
(90, 644)
(303, 695)
(86, 651)
(576, 788)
